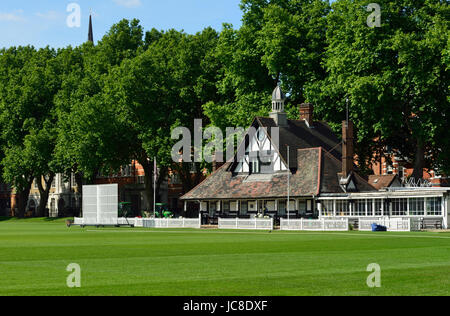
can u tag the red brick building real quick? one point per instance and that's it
(404, 169)
(5, 199)
(131, 181)
(132, 188)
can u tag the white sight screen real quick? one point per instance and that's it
(100, 204)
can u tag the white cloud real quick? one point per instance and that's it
(129, 3)
(50, 15)
(11, 17)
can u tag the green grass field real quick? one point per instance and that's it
(34, 255)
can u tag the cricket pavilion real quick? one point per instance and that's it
(308, 172)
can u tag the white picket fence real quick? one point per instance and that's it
(144, 222)
(244, 223)
(109, 222)
(314, 224)
(138, 222)
(78, 221)
(169, 222)
(392, 224)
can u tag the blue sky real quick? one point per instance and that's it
(43, 22)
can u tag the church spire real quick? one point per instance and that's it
(91, 33)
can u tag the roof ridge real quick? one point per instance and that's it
(353, 172)
(215, 171)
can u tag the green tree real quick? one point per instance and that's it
(161, 88)
(243, 83)
(394, 77)
(88, 140)
(280, 41)
(27, 119)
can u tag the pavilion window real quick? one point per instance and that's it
(233, 206)
(378, 207)
(434, 206)
(327, 209)
(360, 208)
(399, 207)
(270, 205)
(252, 206)
(369, 207)
(416, 207)
(342, 208)
(302, 207)
(226, 206)
(282, 207)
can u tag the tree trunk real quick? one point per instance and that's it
(163, 171)
(79, 181)
(419, 161)
(148, 180)
(44, 194)
(22, 200)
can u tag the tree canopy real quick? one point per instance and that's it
(94, 108)
(395, 77)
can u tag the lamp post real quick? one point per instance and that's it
(288, 185)
(154, 187)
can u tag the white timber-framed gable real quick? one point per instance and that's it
(261, 155)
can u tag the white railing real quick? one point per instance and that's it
(314, 224)
(169, 222)
(392, 224)
(91, 221)
(126, 221)
(144, 222)
(78, 221)
(138, 222)
(244, 223)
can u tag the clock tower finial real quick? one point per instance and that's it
(278, 113)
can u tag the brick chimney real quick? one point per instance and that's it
(306, 113)
(347, 148)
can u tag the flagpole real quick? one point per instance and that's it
(289, 184)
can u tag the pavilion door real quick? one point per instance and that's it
(244, 208)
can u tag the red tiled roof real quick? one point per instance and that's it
(315, 167)
(381, 181)
(222, 184)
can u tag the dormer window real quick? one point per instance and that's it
(262, 162)
(254, 165)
